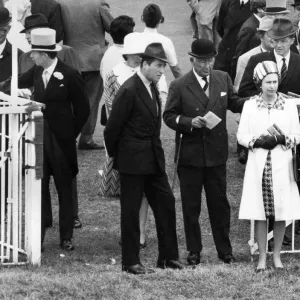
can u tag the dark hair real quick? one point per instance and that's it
(261, 33)
(255, 4)
(152, 15)
(148, 60)
(51, 54)
(120, 27)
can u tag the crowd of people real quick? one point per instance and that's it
(244, 58)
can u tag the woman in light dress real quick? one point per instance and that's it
(269, 190)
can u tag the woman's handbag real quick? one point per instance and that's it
(296, 163)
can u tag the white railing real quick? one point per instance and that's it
(21, 160)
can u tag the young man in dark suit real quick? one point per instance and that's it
(203, 152)
(61, 89)
(132, 137)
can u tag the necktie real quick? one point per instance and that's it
(154, 93)
(45, 78)
(283, 69)
(206, 83)
(242, 4)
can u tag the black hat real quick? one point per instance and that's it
(4, 16)
(296, 3)
(152, 15)
(281, 28)
(203, 48)
(155, 50)
(35, 21)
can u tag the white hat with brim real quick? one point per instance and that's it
(133, 44)
(43, 39)
(276, 7)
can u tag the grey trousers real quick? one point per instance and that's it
(94, 90)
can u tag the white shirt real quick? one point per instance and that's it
(257, 17)
(111, 58)
(47, 75)
(279, 61)
(2, 46)
(150, 35)
(200, 80)
(146, 82)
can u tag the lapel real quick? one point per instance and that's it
(53, 80)
(291, 68)
(214, 91)
(144, 95)
(195, 87)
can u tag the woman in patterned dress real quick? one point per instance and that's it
(110, 181)
(269, 190)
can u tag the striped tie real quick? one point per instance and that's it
(283, 69)
(206, 83)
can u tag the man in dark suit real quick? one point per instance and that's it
(52, 11)
(5, 46)
(247, 36)
(232, 15)
(61, 88)
(132, 137)
(283, 35)
(203, 152)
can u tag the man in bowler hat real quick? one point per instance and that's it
(132, 137)
(203, 152)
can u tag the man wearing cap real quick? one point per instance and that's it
(283, 35)
(203, 151)
(247, 37)
(61, 88)
(132, 138)
(5, 46)
(85, 25)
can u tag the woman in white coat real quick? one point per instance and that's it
(269, 189)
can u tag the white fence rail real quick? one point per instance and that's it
(20, 173)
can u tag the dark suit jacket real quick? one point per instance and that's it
(67, 107)
(247, 40)
(6, 63)
(290, 83)
(201, 147)
(52, 11)
(230, 21)
(132, 132)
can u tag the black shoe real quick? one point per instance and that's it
(138, 269)
(48, 225)
(67, 245)
(144, 245)
(77, 223)
(172, 264)
(227, 258)
(286, 241)
(90, 146)
(193, 258)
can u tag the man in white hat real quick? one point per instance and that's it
(61, 88)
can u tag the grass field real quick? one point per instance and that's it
(93, 270)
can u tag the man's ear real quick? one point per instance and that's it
(191, 59)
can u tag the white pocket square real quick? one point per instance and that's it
(223, 94)
(61, 85)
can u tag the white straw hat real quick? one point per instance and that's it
(43, 39)
(133, 44)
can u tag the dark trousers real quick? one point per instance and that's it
(48, 205)
(55, 164)
(94, 89)
(162, 203)
(214, 181)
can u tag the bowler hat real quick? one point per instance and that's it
(274, 7)
(4, 16)
(281, 28)
(34, 21)
(203, 48)
(296, 3)
(43, 39)
(155, 50)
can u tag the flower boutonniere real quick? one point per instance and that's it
(1, 56)
(58, 75)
